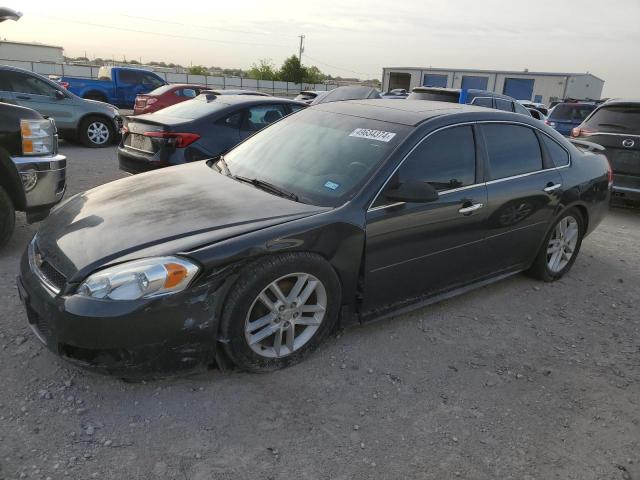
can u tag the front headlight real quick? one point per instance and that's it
(37, 137)
(146, 278)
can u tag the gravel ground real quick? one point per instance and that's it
(518, 380)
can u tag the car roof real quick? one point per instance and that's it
(621, 101)
(407, 112)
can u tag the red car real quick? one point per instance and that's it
(165, 96)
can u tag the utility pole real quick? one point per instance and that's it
(301, 48)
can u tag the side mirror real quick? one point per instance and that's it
(60, 95)
(413, 192)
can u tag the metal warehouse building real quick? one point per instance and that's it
(541, 87)
(30, 52)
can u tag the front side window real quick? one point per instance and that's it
(512, 149)
(559, 155)
(322, 157)
(445, 159)
(151, 80)
(23, 83)
(262, 115)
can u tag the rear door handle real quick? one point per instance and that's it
(472, 208)
(552, 188)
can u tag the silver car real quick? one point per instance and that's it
(95, 124)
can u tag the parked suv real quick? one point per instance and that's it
(32, 174)
(568, 115)
(95, 124)
(616, 126)
(480, 98)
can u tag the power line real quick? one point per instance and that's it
(162, 34)
(190, 25)
(339, 68)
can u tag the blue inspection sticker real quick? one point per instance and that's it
(331, 185)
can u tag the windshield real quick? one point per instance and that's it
(571, 112)
(192, 109)
(619, 118)
(323, 158)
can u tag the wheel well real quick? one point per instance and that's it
(585, 215)
(11, 183)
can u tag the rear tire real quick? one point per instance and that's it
(271, 328)
(7, 217)
(96, 132)
(560, 248)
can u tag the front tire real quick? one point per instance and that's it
(96, 132)
(7, 217)
(280, 309)
(560, 248)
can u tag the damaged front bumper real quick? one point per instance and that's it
(124, 338)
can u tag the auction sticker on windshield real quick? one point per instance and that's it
(379, 135)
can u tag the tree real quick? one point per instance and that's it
(292, 70)
(197, 70)
(313, 75)
(264, 70)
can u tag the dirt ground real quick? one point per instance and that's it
(517, 380)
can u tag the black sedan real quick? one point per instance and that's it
(348, 210)
(197, 129)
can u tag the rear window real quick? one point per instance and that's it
(192, 109)
(435, 95)
(161, 90)
(618, 118)
(571, 112)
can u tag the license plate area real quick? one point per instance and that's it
(139, 142)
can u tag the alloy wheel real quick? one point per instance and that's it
(98, 133)
(286, 315)
(562, 244)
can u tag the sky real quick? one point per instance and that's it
(350, 38)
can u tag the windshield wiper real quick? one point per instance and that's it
(268, 187)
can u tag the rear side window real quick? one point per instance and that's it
(571, 112)
(446, 160)
(558, 154)
(435, 95)
(520, 109)
(615, 118)
(262, 115)
(483, 102)
(505, 105)
(512, 149)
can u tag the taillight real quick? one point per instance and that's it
(578, 132)
(151, 101)
(547, 122)
(181, 139)
(609, 173)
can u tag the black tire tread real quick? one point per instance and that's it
(7, 217)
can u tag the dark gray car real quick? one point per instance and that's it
(197, 129)
(95, 124)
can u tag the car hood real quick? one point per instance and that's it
(158, 213)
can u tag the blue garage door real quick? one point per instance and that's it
(479, 83)
(433, 80)
(518, 88)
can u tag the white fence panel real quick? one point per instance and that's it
(176, 78)
(17, 63)
(196, 79)
(79, 71)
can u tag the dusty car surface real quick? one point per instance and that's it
(346, 211)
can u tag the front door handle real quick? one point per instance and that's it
(471, 208)
(552, 188)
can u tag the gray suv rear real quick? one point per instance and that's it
(95, 124)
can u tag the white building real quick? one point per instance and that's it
(30, 52)
(541, 87)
